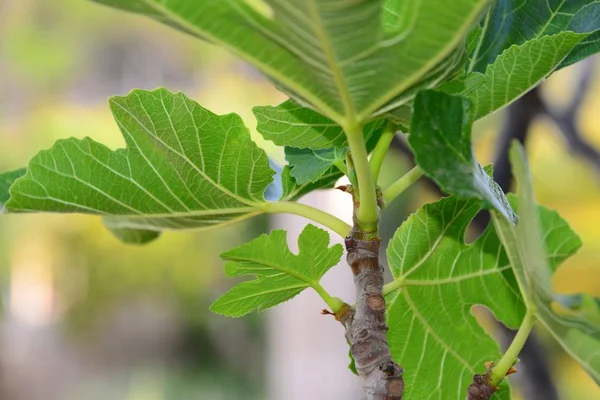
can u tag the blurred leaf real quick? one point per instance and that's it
(133, 236)
(6, 180)
(333, 55)
(519, 69)
(281, 275)
(515, 22)
(524, 244)
(184, 167)
(440, 137)
(438, 278)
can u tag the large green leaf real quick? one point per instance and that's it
(341, 57)
(6, 181)
(281, 275)
(440, 137)
(183, 167)
(514, 22)
(577, 333)
(519, 69)
(438, 278)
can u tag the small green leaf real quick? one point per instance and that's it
(289, 124)
(577, 332)
(438, 278)
(6, 181)
(309, 165)
(184, 167)
(281, 275)
(292, 190)
(515, 22)
(519, 69)
(132, 236)
(440, 137)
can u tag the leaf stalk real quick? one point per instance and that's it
(381, 149)
(398, 187)
(312, 213)
(367, 213)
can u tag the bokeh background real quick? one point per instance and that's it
(83, 316)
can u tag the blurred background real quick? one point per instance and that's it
(83, 316)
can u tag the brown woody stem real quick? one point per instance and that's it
(366, 330)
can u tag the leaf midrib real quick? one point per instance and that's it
(306, 94)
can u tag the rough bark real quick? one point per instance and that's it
(366, 330)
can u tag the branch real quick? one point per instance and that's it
(366, 330)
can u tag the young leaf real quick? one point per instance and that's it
(519, 69)
(577, 333)
(440, 137)
(183, 167)
(329, 54)
(292, 190)
(6, 180)
(280, 274)
(309, 165)
(515, 22)
(437, 280)
(289, 124)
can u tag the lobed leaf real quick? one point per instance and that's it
(339, 57)
(183, 167)
(280, 274)
(515, 22)
(438, 278)
(441, 142)
(577, 331)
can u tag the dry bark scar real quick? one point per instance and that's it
(481, 388)
(365, 327)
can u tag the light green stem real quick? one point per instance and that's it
(367, 214)
(312, 213)
(511, 355)
(341, 166)
(396, 188)
(334, 303)
(392, 286)
(381, 149)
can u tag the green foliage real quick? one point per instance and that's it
(433, 67)
(440, 137)
(577, 330)
(184, 167)
(515, 22)
(280, 274)
(438, 278)
(332, 55)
